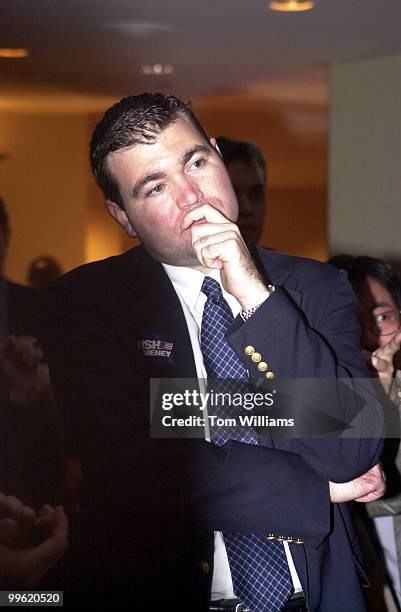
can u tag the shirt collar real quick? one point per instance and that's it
(188, 284)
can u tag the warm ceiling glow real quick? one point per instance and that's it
(291, 6)
(14, 53)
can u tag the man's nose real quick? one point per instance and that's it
(188, 192)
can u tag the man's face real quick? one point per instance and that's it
(250, 188)
(160, 183)
(378, 314)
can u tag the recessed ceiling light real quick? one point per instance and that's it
(14, 53)
(138, 29)
(291, 6)
(157, 69)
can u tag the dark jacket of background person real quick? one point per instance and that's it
(31, 438)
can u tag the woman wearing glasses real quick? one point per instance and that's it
(378, 290)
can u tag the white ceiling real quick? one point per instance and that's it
(215, 46)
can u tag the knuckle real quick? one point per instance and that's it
(210, 249)
(232, 241)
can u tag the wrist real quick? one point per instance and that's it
(255, 299)
(333, 492)
(386, 379)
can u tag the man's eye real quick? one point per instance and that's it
(383, 317)
(155, 190)
(199, 163)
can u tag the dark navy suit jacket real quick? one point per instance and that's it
(150, 506)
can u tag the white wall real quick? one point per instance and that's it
(365, 154)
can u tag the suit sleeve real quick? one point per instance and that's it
(318, 339)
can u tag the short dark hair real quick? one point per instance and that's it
(241, 150)
(4, 219)
(133, 120)
(362, 268)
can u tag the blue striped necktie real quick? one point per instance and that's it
(259, 568)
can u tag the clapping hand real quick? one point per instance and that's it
(22, 361)
(30, 544)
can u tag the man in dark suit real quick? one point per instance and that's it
(158, 512)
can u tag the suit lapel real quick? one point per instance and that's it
(158, 313)
(160, 321)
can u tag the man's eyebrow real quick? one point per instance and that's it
(155, 176)
(196, 149)
(381, 304)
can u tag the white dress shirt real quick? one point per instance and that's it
(187, 284)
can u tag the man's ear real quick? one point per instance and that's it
(120, 216)
(215, 146)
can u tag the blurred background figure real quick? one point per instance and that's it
(378, 290)
(20, 312)
(247, 169)
(42, 270)
(31, 457)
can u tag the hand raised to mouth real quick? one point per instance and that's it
(218, 244)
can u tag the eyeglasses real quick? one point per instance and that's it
(387, 322)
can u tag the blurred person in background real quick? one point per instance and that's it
(42, 270)
(248, 173)
(378, 290)
(30, 438)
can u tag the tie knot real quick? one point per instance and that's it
(212, 289)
